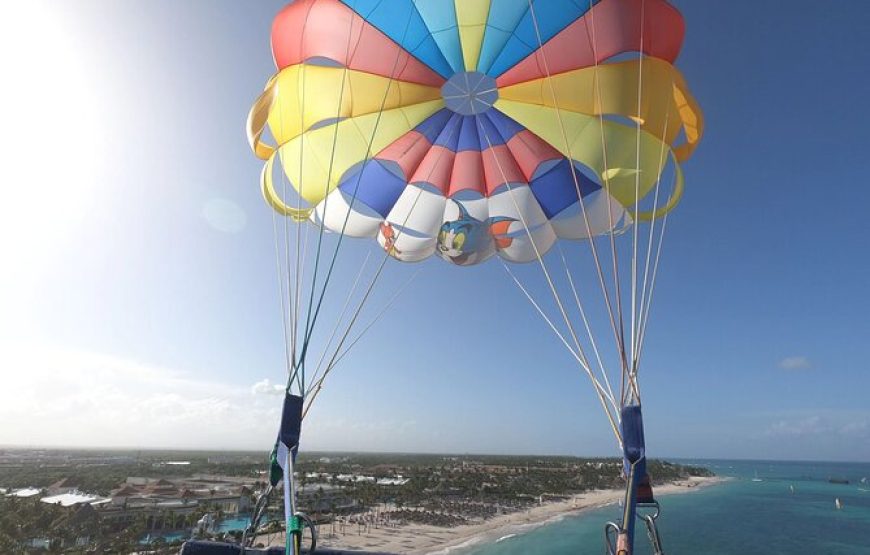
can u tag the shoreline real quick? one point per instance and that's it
(421, 539)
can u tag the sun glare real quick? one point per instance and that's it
(54, 136)
(53, 144)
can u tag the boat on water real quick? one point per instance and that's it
(838, 480)
(791, 489)
(838, 504)
(757, 479)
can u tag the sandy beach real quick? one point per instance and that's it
(419, 539)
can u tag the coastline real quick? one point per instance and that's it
(420, 539)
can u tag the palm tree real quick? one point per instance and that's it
(318, 499)
(332, 513)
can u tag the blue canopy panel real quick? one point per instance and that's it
(402, 22)
(448, 137)
(555, 189)
(469, 138)
(499, 128)
(432, 126)
(378, 184)
(502, 51)
(488, 133)
(503, 18)
(440, 18)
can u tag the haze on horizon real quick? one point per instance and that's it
(137, 296)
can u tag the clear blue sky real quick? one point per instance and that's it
(139, 292)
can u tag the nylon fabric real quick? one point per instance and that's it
(471, 16)
(615, 89)
(551, 16)
(315, 161)
(332, 94)
(611, 27)
(329, 31)
(586, 146)
(390, 16)
(424, 154)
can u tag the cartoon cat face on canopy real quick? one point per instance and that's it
(467, 240)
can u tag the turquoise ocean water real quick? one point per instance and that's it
(737, 517)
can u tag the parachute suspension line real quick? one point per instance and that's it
(337, 354)
(652, 284)
(317, 384)
(336, 357)
(593, 246)
(301, 250)
(301, 256)
(635, 231)
(291, 310)
(644, 301)
(340, 318)
(601, 368)
(293, 533)
(538, 255)
(293, 278)
(629, 415)
(316, 387)
(602, 394)
(309, 321)
(358, 310)
(297, 371)
(370, 143)
(386, 256)
(618, 289)
(280, 283)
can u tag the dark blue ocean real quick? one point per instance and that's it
(737, 517)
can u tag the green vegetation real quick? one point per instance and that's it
(509, 482)
(443, 490)
(101, 471)
(28, 521)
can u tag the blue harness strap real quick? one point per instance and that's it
(634, 452)
(288, 436)
(638, 488)
(633, 445)
(291, 422)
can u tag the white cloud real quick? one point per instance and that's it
(847, 424)
(799, 427)
(63, 397)
(856, 428)
(266, 387)
(795, 363)
(60, 397)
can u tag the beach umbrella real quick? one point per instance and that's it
(468, 129)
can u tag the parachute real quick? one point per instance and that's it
(397, 118)
(468, 129)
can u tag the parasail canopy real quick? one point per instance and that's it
(467, 128)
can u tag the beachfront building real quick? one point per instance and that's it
(25, 492)
(319, 498)
(75, 497)
(156, 503)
